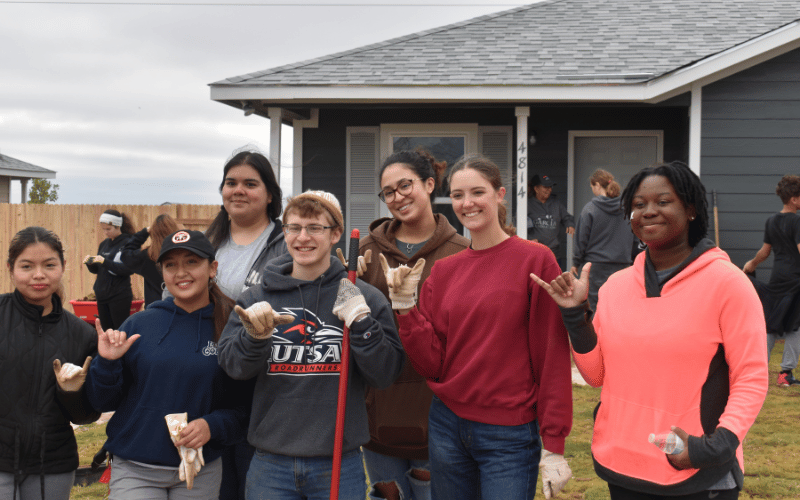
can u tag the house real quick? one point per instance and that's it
(558, 87)
(12, 169)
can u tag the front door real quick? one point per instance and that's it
(623, 153)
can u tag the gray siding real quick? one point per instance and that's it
(750, 139)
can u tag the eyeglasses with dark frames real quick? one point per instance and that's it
(404, 187)
(312, 229)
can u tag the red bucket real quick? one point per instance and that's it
(87, 309)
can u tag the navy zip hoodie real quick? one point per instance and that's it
(294, 404)
(172, 368)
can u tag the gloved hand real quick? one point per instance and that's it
(361, 265)
(402, 282)
(555, 473)
(260, 319)
(71, 377)
(350, 305)
(191, 459)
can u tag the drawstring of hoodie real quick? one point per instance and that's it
(316, 309)
(171, 319)
(199, 327)
(18, 470)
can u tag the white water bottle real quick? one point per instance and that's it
(669, 443)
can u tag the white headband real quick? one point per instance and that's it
(111, 219)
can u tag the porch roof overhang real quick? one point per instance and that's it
(646, 89)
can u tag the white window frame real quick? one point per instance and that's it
(469, 131)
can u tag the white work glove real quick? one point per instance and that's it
(71, 377)
(555, 473)
(260, 319)
(402, 282)
(191, 459)
(361, 265)
(350, 305)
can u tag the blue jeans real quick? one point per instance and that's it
(278, 477)
(386, 469)
(471, 460)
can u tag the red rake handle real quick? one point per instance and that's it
(344, 367)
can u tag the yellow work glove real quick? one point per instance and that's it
(260, 319)
(555, 473)
(402, 282)
(361, 265)
(350, 305)
(191, 459)
(71, 377)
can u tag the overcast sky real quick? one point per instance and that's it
(114, 96)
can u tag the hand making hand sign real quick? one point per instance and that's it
(113, 344)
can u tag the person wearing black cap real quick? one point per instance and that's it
(548, 217)
(163, 361)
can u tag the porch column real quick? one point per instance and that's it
(275, 140)
(297, 155)
(24, 190)
(695, 128)
(521, 170)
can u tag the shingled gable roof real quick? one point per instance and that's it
(554, 43)
(17, 168)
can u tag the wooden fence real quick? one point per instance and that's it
(80, 232)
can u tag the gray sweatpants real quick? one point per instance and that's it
(791, 349)
(56, 486)
(131, 481)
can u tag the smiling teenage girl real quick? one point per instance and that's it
(677, 342)
(39, 453)
(162, 361)
(494, 351)
(397, 454)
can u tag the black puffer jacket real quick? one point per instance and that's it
(35, 435)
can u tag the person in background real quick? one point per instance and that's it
(112, 288)
(493, 349)
(781, 296)
(396, 456)
(603, 235)
(548, 217)
(287, 333)
(44, 347)
(246, 234)
(142, 261)
(163, 361)
(677, 344)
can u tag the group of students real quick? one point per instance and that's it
(459, 378)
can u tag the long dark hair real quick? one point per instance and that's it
(422, 163)
(220, 228)
(687, 186)
(223, 305)
(127, 224)
(491, 172)
(30, 236)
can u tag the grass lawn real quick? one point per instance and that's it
(771, 448)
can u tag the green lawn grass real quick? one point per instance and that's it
(771, 448)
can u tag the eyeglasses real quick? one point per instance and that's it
(404, 187)
(312, 229)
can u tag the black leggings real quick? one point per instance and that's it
(113, 313)
(620, 493)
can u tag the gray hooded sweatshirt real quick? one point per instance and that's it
(297, 369)
(602, 234)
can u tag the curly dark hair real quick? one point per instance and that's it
(788, 188)
(422, 162)
(687, 186)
